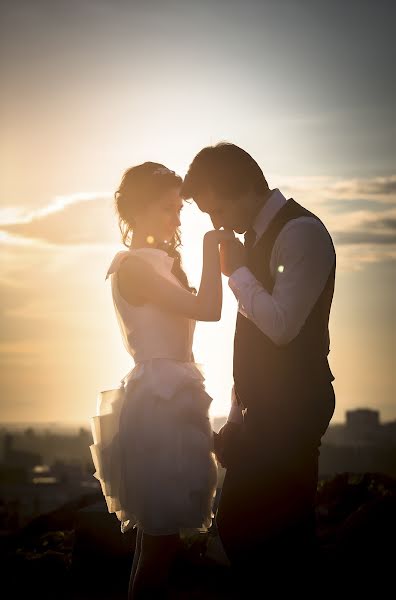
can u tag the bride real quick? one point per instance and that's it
(153, 443)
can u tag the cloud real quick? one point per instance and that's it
(355, 257)
(364, 237)
(390, 223)
(365, 227)
(83, 218)
(325, 189)
(379, 187)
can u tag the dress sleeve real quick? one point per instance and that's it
(116, 262)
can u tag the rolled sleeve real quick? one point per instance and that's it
(243, 285)
(301, 261)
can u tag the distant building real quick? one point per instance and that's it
(363, 425)
(50, 446)
(362, 428)
(18, 458)
(362, 444)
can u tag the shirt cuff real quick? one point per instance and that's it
(241, 279)
(242, 282)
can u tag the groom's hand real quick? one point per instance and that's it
(232, 256)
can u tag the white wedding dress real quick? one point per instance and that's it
(153, 441)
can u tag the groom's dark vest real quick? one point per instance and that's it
(272, 381)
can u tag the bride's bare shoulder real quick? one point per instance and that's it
(130, 278)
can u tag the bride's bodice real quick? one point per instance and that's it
(149, 331)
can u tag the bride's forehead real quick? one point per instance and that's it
(171, 197)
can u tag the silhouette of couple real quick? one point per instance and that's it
(154, 450)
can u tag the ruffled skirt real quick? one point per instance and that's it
(153, 449)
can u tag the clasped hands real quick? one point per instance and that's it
(232, 256)
(225, 442)
(232, 251)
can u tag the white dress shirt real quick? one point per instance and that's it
(301, 261)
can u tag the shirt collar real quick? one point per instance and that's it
(268, 212)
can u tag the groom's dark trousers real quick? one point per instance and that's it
(266, 517)
(266, 514)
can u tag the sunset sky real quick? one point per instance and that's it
(91, 87)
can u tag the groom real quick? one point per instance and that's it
(283, 398)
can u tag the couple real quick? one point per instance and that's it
(154, 451)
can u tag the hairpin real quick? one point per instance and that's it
(163, 171)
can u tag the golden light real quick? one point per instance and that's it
(150, 239)
(281, 268)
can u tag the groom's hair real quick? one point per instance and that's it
(229, 170)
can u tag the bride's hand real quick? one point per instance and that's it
(232, 256)
(219, 235)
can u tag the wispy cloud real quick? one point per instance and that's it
(13, 215)
(355, 257)
(324, 189)
(364, 237)
(364, 227)
(80, 218)
(382, 188)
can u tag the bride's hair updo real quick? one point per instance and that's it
(140, 186)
